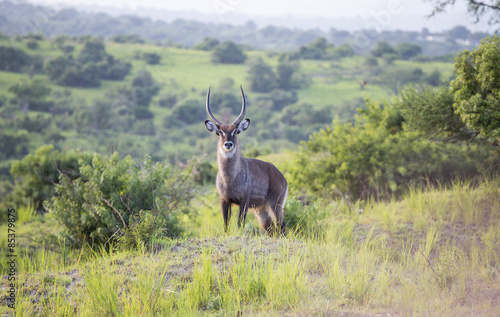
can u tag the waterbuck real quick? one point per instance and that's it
(250, 183)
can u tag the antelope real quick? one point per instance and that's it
(252, 184)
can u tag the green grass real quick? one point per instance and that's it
(435, 252)
(334, 82)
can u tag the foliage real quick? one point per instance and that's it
(207, 44)
(167, 100)
(408, 50)
(127, 38)
(261, 76)
(144, 88)
(304, 220)
(30, 92)
(37, 174)
(430, 111)
(13, 145)
(288, 77)
(66, 71)
(114, 195)
(32, 45)
(188, 111)
(202, 171)
(396, 79)
(479, 10)
(151, 58)
(383, 48)
(477, 88)
(223, 101)
(228, 53)
(143, 113)
(317, 49)
(282, 98)
(13, 59)
(374, 157)
(92, 64)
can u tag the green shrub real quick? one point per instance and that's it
(304, 220)
(37, 174)
(167, 100)
(228, 53)
(115, 197)
(374, 157)
(151, 58)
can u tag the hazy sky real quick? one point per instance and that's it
(389, 14)
(268, 7)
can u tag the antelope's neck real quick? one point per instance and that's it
(229, 165)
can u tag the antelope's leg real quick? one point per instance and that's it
(226, 213)
(243, 213)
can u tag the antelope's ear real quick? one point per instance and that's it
(212, 127)
(244, 124)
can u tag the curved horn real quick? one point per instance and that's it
(209, 112)
(243, 108)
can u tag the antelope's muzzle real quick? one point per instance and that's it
(228, 145)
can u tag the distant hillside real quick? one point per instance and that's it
(22, 18)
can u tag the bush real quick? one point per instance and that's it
(188, 111)
(115, 197)
(151, 58)
(383, 48)
(144, 88)
(143, 113)
(207, 44)
(304, 220)
(13, 59)
(477, 88)
(167, 101)
(32, 45)
(408, 50)
(37, 174)
(261, 76)
(374, 157)
(228, 53)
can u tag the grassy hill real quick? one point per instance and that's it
(333, 84)
(435, 252)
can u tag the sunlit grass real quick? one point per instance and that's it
(372, 258)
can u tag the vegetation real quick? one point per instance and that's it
(477, 88)
(393, 192)
(228, 53)
(112, 197)
(420, 255)
(58, 21)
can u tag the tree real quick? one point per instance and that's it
(383, 48)
(408, 50)
(376, 157)
(189, 111)
(37, 174)
(207, 44)
(13, 59)
(114, 195)
(459, 32)
(430, 112)
(285, 71)
(151, 58)
(476, 88)
(28, 91)
(144, 88)
(261, 76)
(93, 51)
(479, 10)
(228, 53)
